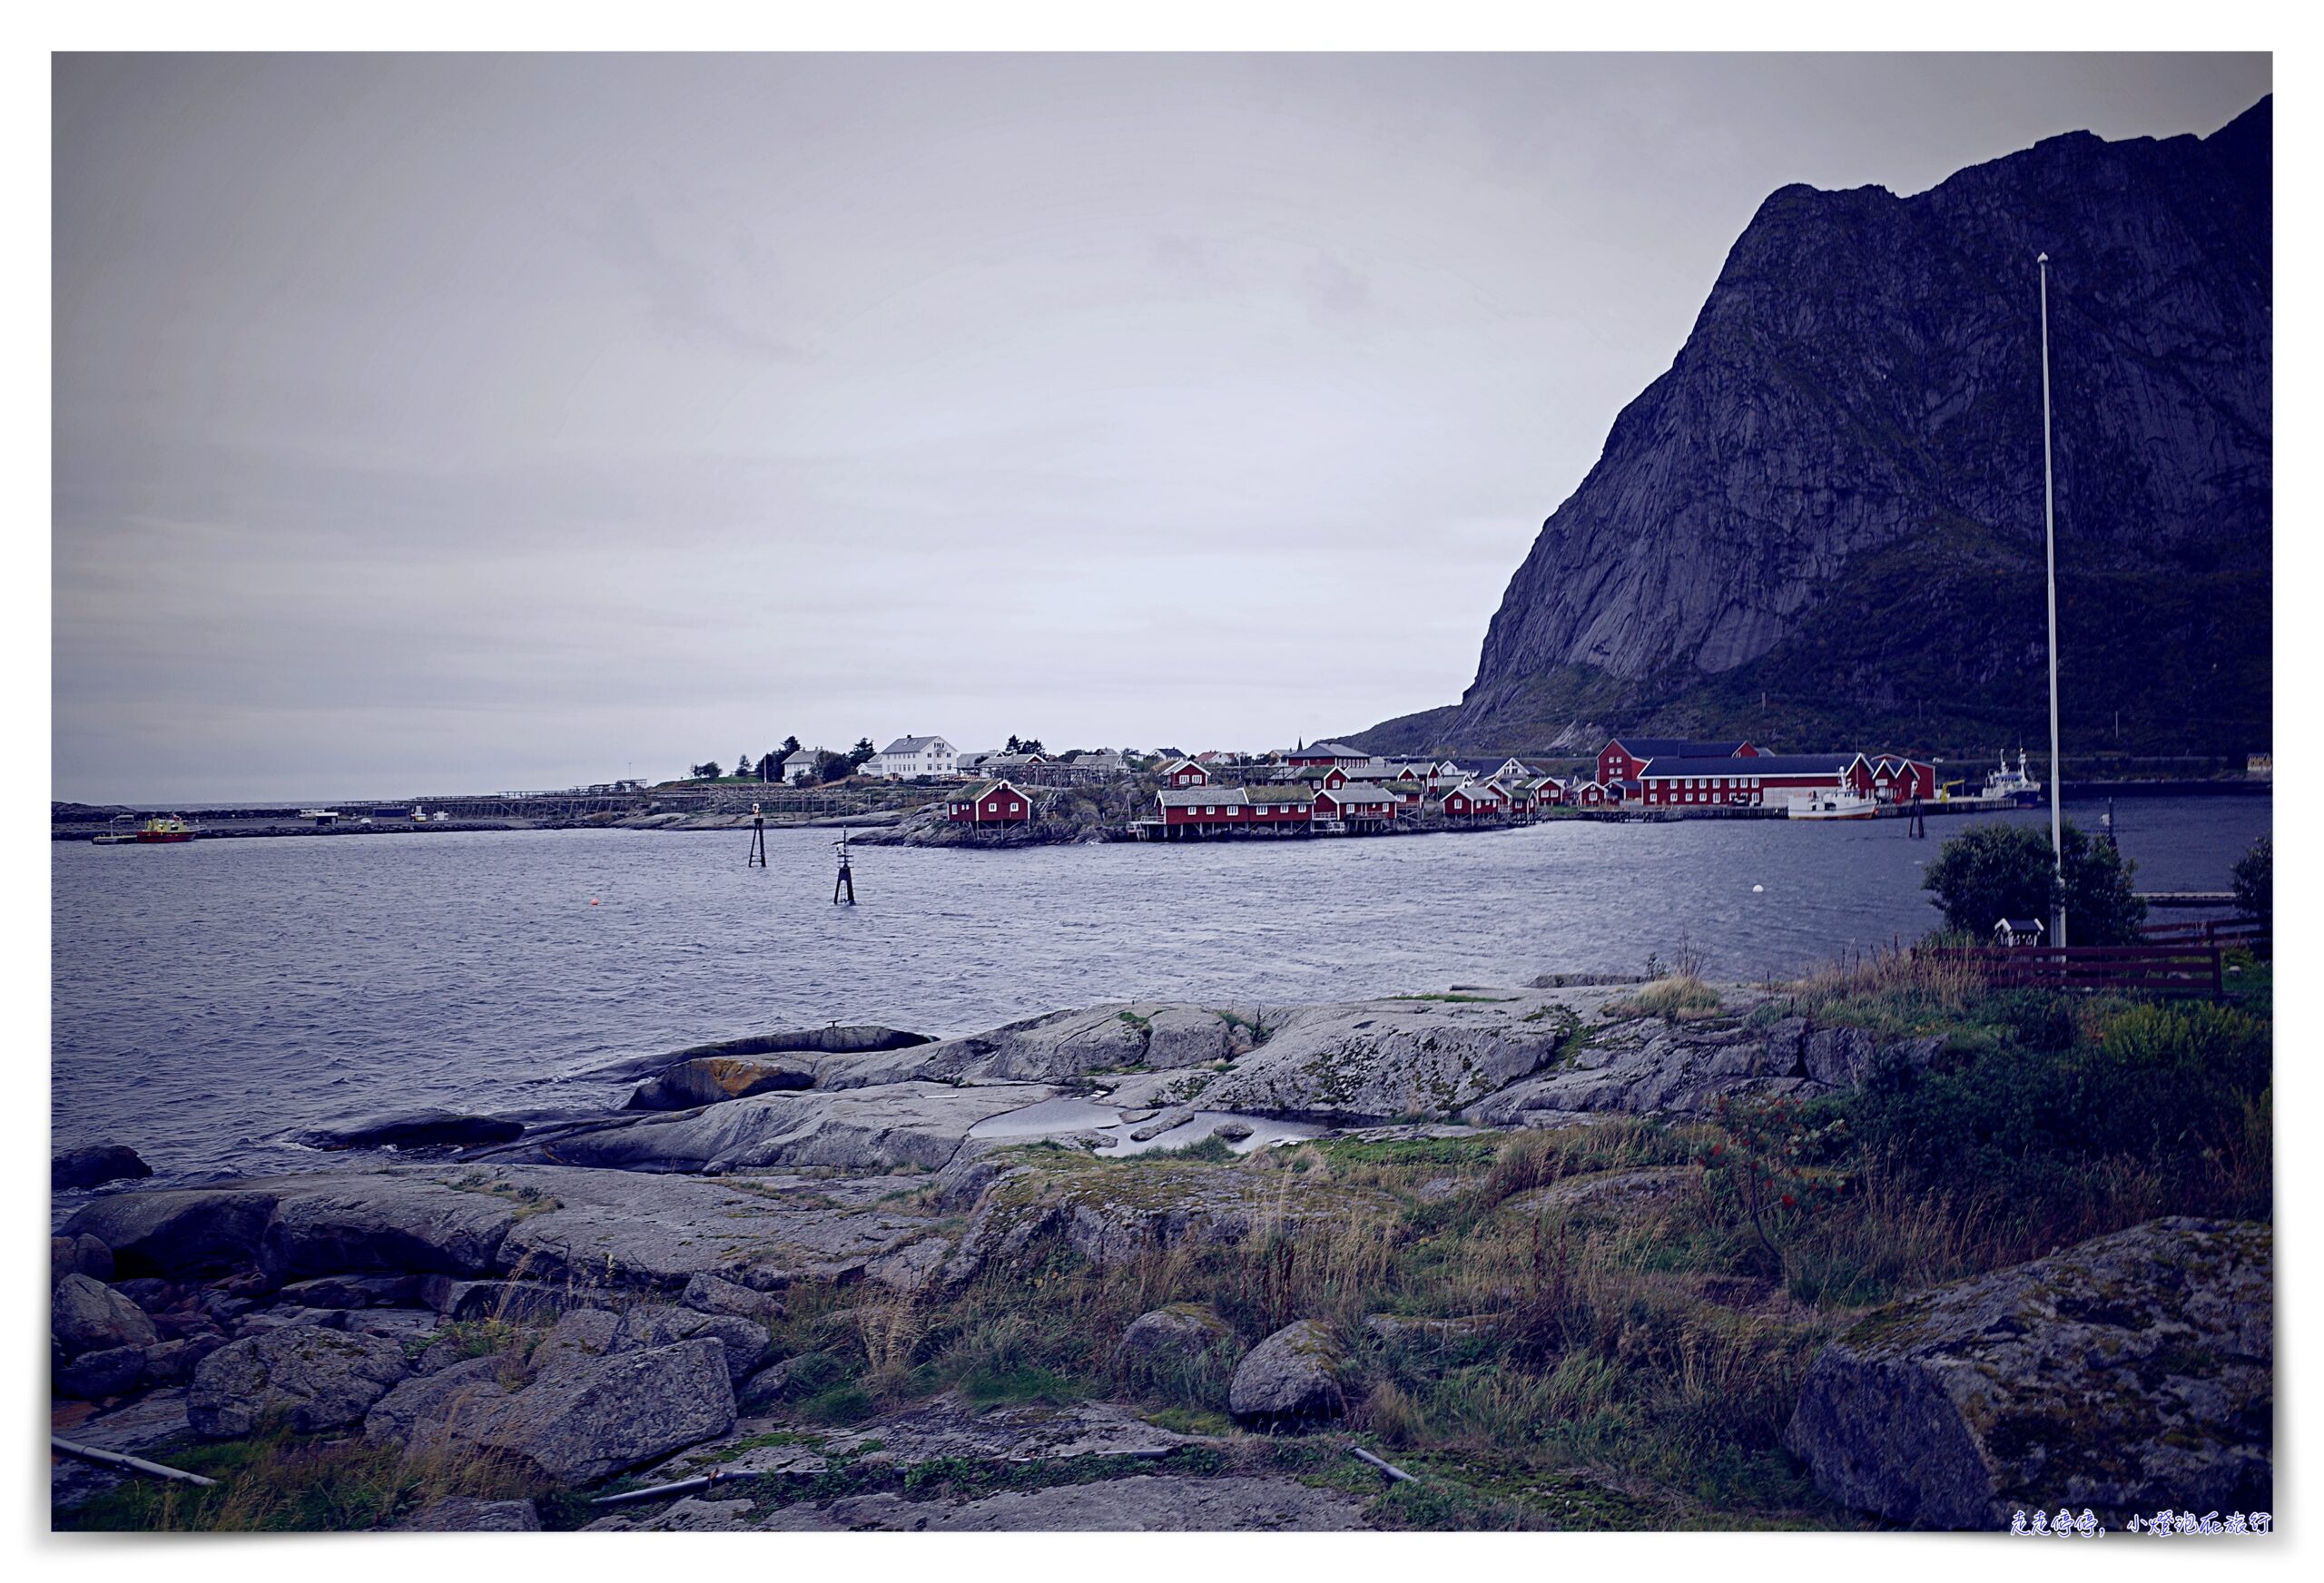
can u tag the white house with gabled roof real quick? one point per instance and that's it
(908, 757)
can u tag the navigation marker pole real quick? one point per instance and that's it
(2050, 544)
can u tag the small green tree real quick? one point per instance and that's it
(708, 772)
(1992, 872)
(2255, 880)
(862, 753)
(2103, 909)
(830, 766)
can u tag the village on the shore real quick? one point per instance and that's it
(1331, 788)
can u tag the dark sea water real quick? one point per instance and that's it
(210, 998)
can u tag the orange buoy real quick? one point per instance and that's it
(593, 901)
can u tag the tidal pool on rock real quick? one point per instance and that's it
(1070, 1113)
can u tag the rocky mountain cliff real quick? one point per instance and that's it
(1823, 526)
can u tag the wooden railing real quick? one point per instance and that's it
(2142, 969)
(2250, 933)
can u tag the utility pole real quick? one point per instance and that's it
(2050, 544)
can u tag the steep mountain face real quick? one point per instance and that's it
(1826, 517)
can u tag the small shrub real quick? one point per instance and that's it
(1676, 997)
(1777, 1162)
(2255, 880)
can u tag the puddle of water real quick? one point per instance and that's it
(1075, 1114)
(1070, 1113)
(1264, 1131)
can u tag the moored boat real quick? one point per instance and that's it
(2012, 787)
(165, 829)
(1831, 805)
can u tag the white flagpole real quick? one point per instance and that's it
(2050, 543)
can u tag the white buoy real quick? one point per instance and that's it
(1758, 889)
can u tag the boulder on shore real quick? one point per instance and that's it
(196, 1231)
(583, 1419)
(712, 1079)
(85, 1315)
(92, 1375)
(1292, 1377)
(414, 1130)
(78, 1256)
(87, 1167)
(1173, 1337)
(318, 1379)
(2134, 1372)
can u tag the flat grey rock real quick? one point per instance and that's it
(466, 1514)
(1142, 1503)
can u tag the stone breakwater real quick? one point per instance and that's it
(643, 1254)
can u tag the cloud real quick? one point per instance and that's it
(683, 295)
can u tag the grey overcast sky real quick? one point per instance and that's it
(431, 424)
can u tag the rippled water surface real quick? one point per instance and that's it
(210, 997)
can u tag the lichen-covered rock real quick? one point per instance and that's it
(1375, 1060)
(86, 1315)
(869, 1128)
(173, 1363)
(352, 1291)
(87, 1167)
(384, 1222)
(78, 1256)
(708, 1293)
(655, 1324)
(92, 1375)
(1643, 1065)
(2133, 1371)
(578, 1336)
(1171, 1338)
(715, 1079)
(578, 1423)
(318, 1379)
(1292, 1376)
(466, 1514)
(450, 1400)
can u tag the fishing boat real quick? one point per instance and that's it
(1831, 805)
(2013, 788)
(162, 829)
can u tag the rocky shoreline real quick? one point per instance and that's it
(593, 1298)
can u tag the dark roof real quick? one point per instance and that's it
(1333, 749)
(982, 789)
(1275, 793)
(1765, 764)
(1677, 747)
(1198, 796)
